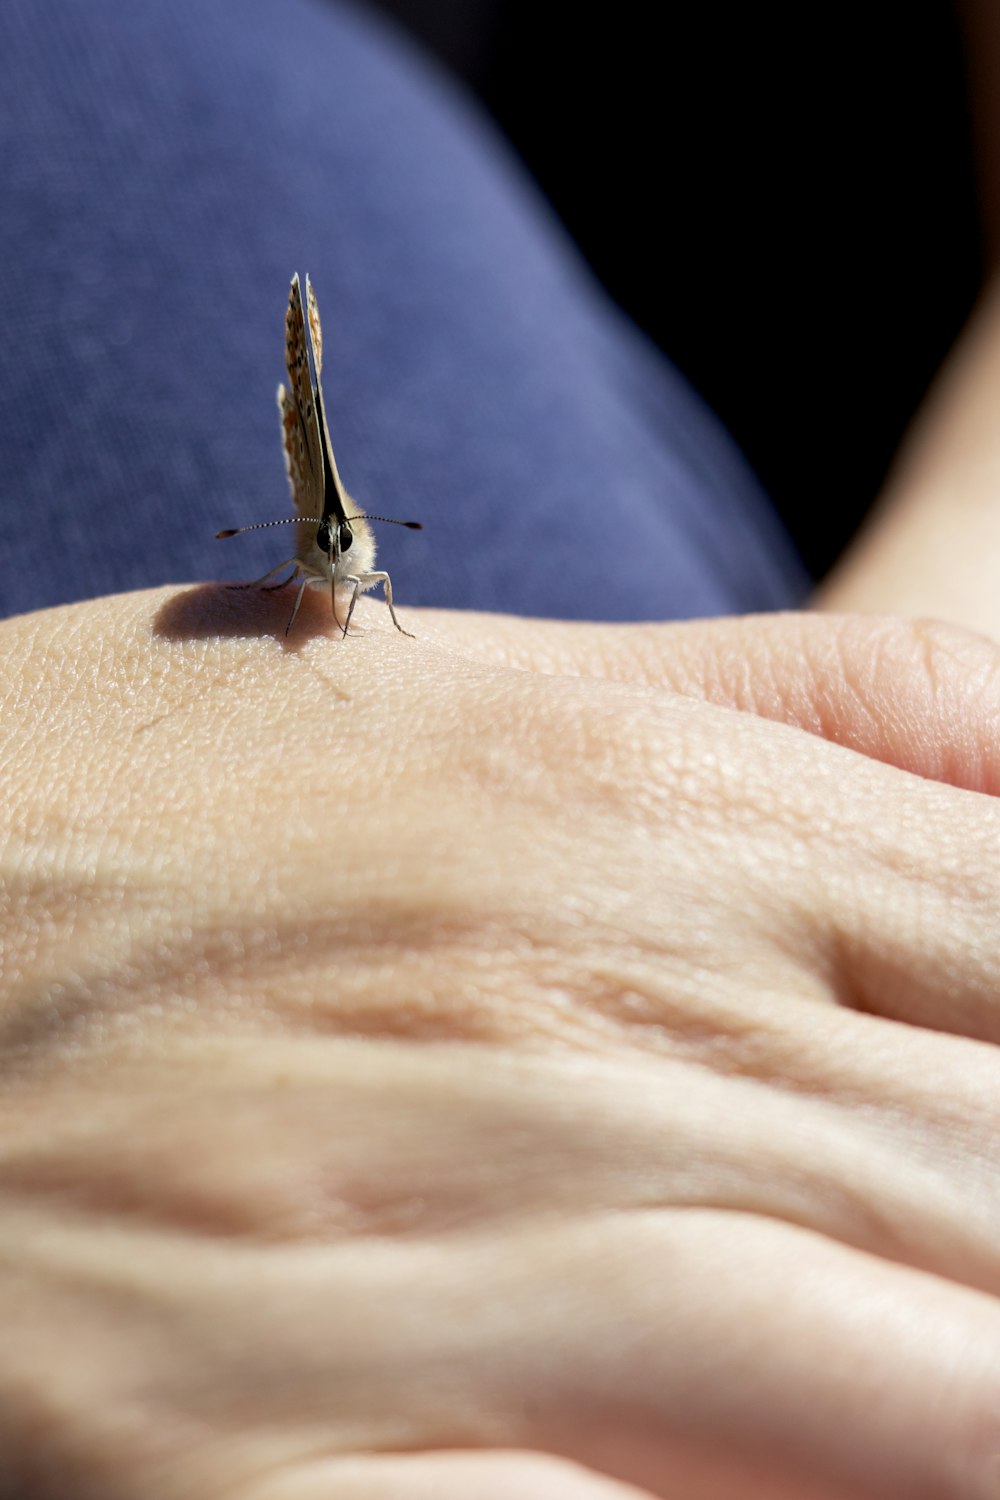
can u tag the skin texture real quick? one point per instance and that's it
(530, 1060)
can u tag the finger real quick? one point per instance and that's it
(878, 1137)
(921, 695)
(707, 1355)
(704, 1357)
(442, 1476)
(604, 1314)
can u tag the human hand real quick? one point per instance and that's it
(485, 1067)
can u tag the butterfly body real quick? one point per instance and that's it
(335, 546)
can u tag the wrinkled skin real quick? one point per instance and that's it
(530, 1060)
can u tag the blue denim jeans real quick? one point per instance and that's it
(166, 166)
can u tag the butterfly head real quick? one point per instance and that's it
(347, 546)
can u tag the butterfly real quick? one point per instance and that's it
(334, 543)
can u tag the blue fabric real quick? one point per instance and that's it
(166, 165)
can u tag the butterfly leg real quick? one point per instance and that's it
(298, 600)
(365, 581)
(254, 582)
(354, 599)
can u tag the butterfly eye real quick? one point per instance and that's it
(323, 538)
(345, 537)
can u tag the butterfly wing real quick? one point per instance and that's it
(300, 428)
(337, 502)
(315, 329)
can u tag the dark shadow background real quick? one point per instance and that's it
(783, 198)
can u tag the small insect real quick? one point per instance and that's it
(334, 542)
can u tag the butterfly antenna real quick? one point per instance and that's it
(392, 520)
(260, 525)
